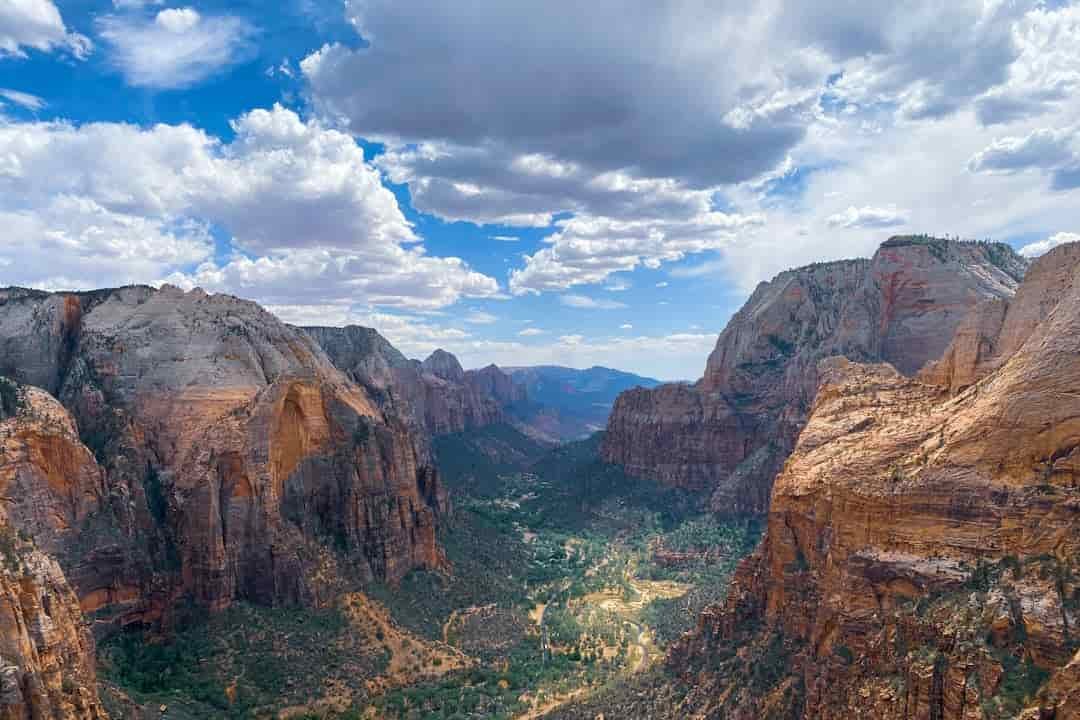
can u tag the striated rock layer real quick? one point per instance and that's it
(922, 558)
(728, 434)
(436, 396)
(236, 460)
(46, 651)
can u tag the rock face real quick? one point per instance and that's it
(922, 558)
(237, 462)
(436, 395)
(492, 382)
(46, 650)
(729, 434)
(49, 485)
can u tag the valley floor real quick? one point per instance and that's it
(568, 579)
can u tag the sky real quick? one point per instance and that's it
(523, 183)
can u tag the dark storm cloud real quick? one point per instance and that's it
(594, 82)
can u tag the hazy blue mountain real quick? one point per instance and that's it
(568, 403)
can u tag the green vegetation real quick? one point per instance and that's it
(563, 531)
(10, 398)
(556, 589)
(237, 663)
(9, 548)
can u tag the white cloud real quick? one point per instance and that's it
(1046, 73)
(177, 48)
(1043, 149)
(37, 24)
(618, 285)
(478, 317)
(899, 118)
(177, 20)
(588, 249)
(626, 326)
(678, 356)
(312, 216)
(868, 217)
(23, 99)
(73, 243)
(532, 332)
(505, 238)
(662, 284)
(1041, 247)
(911, 68)
(587, 303)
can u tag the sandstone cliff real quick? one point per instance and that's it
(729, 434)
(46, 650)
(437, 394)
(922, 558)
(236, 461)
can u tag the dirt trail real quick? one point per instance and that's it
(412, 658)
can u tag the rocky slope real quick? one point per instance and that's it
(436, 396)
(236, 461)
(922, 558)
(46, 651)
(49, 484)
(729, 434)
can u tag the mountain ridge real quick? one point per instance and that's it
(728, 434)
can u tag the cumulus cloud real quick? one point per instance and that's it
(1045, 149)
(589, 249)
(23, 99)
(1042, 247)
(528, 118)
(309, 219)
(532, 332)
(176, 48)
(75, 243)
(867, 217)
(1046, 73)
(538, 82)
(38, 25)
(910, 67)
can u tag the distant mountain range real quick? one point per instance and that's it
(567, 403)
(549, 403)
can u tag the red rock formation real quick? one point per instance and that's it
(46, 652)
(492, 382)
(49, 481)
(730, 433)
(240, 462)
(923, 548)
(436, 396)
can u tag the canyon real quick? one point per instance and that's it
(906, 425)
(921, 554)
(727, 435)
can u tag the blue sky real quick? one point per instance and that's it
(566, 182)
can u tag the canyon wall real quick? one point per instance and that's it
(729, 434)
(436, 396)
(46, 651)
(201, 448)
(922, 557)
